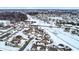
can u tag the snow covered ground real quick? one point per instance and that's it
(59, 36)
(56, 34)
(29, 46)
(14, 34)
(7, 48)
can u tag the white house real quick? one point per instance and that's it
(55, 18)
(4, 22)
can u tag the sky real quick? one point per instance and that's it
(39, 3)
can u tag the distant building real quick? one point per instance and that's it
(4, 23)
(55, 18)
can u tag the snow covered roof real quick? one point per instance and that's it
(31, 20)
(60, 18)
(4, 21)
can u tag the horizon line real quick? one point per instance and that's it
(39, 7)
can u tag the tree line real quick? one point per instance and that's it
(16, 16)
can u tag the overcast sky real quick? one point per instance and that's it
(39, 3)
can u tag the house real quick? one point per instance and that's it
(55, 18)
(4, 23)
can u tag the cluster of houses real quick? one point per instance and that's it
(9, 35)
(42, 39)
(43, 42)
(5, 29)
(14, 42)
(66, 21)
